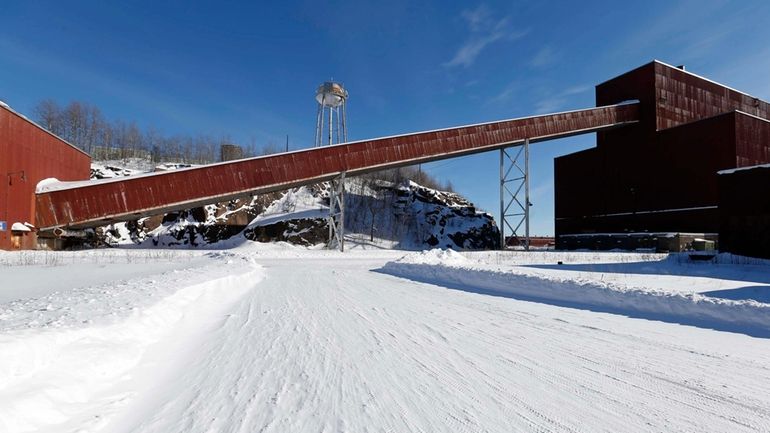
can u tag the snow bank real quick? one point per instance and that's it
(56, 375)
(681, 307)
(438, 257)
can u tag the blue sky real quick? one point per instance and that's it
(250, 70)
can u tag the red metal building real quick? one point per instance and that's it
(660, 174)
(29, 154)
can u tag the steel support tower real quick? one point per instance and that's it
(514, 194)
(337, 212)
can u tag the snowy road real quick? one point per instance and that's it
(322, 343)
(316, 349)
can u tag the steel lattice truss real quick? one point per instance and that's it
(514, 195)
(337, 212)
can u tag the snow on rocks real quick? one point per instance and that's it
(294, 204)
(106, 171)
(407, 214)
(746, 316)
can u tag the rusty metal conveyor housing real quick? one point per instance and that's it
(101, 202)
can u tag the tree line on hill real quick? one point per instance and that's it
(83, 125)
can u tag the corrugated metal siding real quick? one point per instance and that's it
(26, 147)
(752, 140)
(683, 97)
(128, 198)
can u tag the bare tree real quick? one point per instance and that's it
(377, 199)
(270, 148)
(49, 115)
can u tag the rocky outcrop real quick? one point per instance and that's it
(446, 219)
(304, 231)
(407, 214)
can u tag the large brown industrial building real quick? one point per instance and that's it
(660, 174)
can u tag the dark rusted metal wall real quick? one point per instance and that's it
(752, 139)
(683, 97)
(128, 198)
(744, 212)
(26, 148)
(577, 183)
(688, 130)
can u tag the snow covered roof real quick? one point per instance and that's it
(733, 170)
(19, 227)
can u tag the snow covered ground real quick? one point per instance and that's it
(276, 338)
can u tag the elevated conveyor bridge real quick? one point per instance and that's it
(96, 203)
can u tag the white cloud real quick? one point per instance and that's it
(471, 49)
(484, 30)
(476, 18)
(544, 57)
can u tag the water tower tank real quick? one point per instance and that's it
(331, 94)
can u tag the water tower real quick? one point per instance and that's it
(330, 128)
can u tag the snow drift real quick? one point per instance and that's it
(55, 374)
(452, 270)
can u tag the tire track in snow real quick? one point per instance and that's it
(350, 350)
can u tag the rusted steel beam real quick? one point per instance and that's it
(101, 202)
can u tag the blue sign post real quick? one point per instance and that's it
(3, 226)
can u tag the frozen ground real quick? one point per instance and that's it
(277, 338)
(36, 274)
